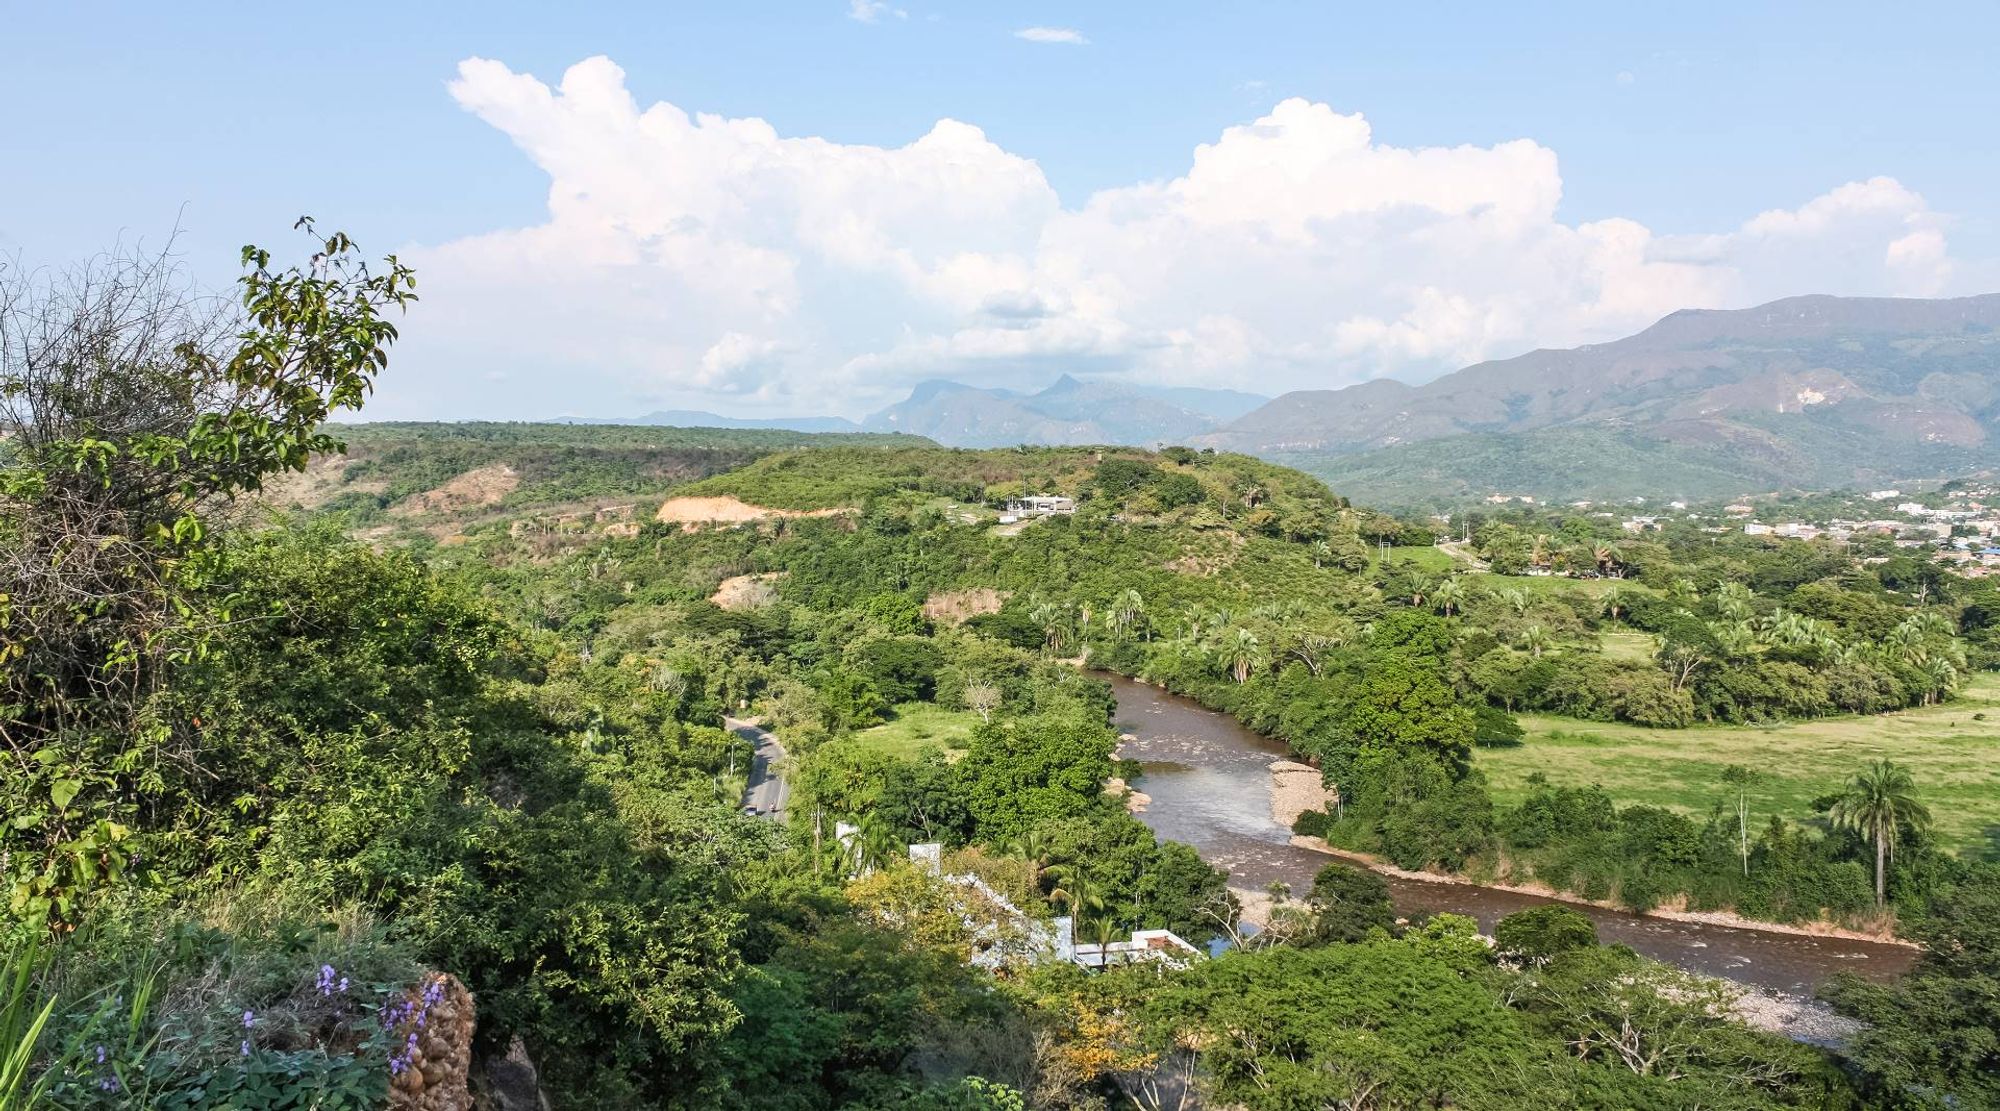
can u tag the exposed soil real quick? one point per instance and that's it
(955, 607)
(319, 483)
(693, 512)
(478, 488)
(747, 592)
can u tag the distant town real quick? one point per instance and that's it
(1957, 523)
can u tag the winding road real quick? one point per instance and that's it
(766, 794)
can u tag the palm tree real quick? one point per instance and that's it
(1078, 894)
(1449, 595)
(874, 844)
(1322, 551)
(1736, 639)
(1535, 639)
(1539, 549)
(1518, 599)
(1412, 583)
(1037, 848)
(1609, 564)
(1242, 652)
(1126, 611)
(1054, 622)
(1877, 804)
(1616, 603)
(1943, 679)
(1732, 600)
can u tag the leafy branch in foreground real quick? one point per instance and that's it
(135, 410)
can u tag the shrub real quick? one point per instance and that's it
(1543, 933)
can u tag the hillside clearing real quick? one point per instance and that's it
(918, 726)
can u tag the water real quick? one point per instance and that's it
(1210, 782)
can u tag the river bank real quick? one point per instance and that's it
(1790, 1014)
(1210, 785)
(1723, 918)
(1296, 787)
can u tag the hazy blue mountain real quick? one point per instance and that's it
(1069, 411)
(694, 418)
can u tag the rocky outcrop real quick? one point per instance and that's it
(431, 1069)
(510, 1083)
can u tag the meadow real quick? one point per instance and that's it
(918, 726)
(1953, 751)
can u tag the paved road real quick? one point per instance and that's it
(767, 790)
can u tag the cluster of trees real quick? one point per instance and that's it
(262, 780)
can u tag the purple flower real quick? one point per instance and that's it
(244, 1049)
(108, 1084)
(249, 1019)
(100, 1054)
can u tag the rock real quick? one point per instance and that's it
(442, 1059)
(511, 1083)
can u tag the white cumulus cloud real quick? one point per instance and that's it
(699, 260)
(872, 11)
(1061, 36)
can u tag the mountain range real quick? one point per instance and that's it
(1805, 393)
(696, 418)
(1069, 411)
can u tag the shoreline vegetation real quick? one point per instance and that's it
(1722, 918)
(469, 711)
(1293, 793)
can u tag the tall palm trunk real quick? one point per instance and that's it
(1881, 872)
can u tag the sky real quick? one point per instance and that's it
(805, 208)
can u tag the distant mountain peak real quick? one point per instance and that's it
(1815, 389)
(1070, 410)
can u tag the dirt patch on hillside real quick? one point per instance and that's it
(323, 479)
(693, 512)
(1295, 789)
(956, 607)
(747, 592)
(478, 488)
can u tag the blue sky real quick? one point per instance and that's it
(1684, 121)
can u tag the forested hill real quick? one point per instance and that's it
(281, 787)
(441, 470)
(1805, 392)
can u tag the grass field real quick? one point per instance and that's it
(1424, 556)
(918, 726)
(1628, 645)
(1954, 757)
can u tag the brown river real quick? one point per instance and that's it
(1210, 783)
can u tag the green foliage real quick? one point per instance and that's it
(133, 415)
(1349, 903)
(1540, 934)
(1930, 1040)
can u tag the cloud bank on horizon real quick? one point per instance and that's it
(703, 261)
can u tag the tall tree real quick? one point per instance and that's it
(1877, 804)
